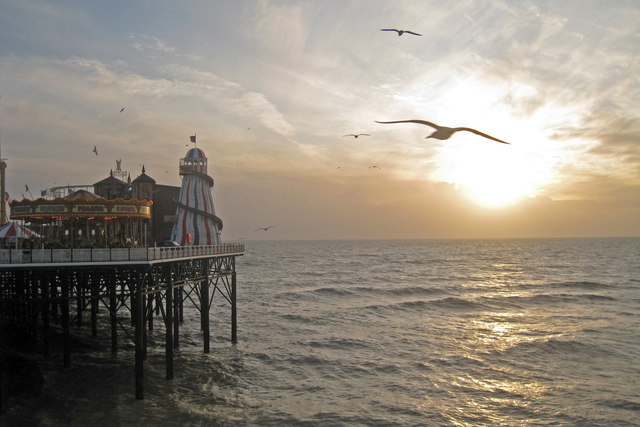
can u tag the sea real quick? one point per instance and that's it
(379, 333)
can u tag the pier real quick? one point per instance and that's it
(137, 286)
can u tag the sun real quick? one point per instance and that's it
(493, 175)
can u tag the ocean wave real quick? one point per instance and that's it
(296, 318)
(341, 292)
(522, 301)
(308, 360)
(548, 346)
(447, 303)
(621, 404)
(580, 285)
(457, 303)
(400, 291)
(338, 343)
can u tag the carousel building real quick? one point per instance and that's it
(83, 219)
(118, 213)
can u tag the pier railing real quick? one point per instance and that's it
(57, 256)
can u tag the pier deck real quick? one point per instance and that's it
(41, 286)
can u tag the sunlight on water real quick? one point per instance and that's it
(499, 335)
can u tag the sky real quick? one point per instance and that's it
(270, 88)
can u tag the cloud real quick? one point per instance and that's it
(143, 42)
(279, 27)
(55, 107)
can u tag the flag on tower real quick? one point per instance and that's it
(192, 138)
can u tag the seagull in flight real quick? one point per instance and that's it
(442, 132)
(400, 32)
(374, 167)
(95, 150)
(264, 228)
(356, 135)
(122, 109)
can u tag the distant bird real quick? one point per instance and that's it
(400, 32)
(95, 150)
(122, 109)
(356, 135)
(374, 167)
(264, 228)
(443, 132)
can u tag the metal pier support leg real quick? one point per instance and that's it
(204, 308)
(176, 317)
(113, 309)
(139, 332)
(64, 308)
(181, 305)
(46, 304)
(169, 325)
(94, 306)
(79, 301)
(150, 301)
(234, 310)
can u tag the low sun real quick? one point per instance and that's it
(492, 174)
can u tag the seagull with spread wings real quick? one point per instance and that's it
(400, 32)
(443, 132)
(356, 135)
(264, 228)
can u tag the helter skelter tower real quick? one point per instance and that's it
(197, 221)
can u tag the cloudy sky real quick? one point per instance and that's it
(271, 87)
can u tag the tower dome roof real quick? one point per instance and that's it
(195, 154)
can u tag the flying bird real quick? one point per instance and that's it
(264, 228)
(95, 150)
(356, 135)
(400, 32)
(374, 167)
(122, 109)
(443, 132)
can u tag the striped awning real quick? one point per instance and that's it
(14, 230)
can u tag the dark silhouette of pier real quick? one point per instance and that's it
(137, 286)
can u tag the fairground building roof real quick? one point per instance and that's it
(80, 204)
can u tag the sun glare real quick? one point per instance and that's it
(493, 174)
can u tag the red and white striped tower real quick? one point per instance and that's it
(197, 221)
